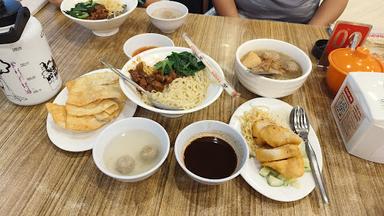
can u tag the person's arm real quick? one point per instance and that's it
(226, 8)
(56, 2)
(328, 12)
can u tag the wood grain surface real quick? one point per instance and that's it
(37, 178)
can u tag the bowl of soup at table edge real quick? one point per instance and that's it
(167, 15)
(211, 152)
(100, 27)
(268, 87)
(131, 137)
(142, 42)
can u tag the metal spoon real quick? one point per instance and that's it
(261, 73)
(139, 88)
(299, 123)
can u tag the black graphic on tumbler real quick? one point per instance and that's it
(50, 72)
(5, 69)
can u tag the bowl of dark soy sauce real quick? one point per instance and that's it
(211, 152)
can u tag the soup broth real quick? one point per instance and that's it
(166, 13)
(282, 66)
(130, 150)
(142, 49)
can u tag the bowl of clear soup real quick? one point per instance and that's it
(167, 15)
(131, 149)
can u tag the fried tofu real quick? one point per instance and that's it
(260, 124)
(289, 168)
(279, 153)
(275, 136)
(251, 60)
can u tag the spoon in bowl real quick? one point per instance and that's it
(261, 73)
(140, 89)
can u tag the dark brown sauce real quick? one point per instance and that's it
(210, 157)
(142, 49)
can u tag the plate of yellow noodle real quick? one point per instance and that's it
(278, 111)
(187, 93)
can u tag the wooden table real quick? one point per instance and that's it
(37, 178)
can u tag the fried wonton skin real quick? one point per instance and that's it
(79, 97)
(93, 100)
(58, 113)
(108, 105)
(95, 79)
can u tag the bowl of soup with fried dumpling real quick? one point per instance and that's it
(287, 66)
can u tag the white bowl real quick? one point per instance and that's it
(104, 27)
(264, 86)
(167, 25)
(119, 127)
(152, 56)
(193, 130)
(145, 40)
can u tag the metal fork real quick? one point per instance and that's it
(299, 123)
(139, 88)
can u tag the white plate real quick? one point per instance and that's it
(78, 141)
(155, 55)
(250, 172)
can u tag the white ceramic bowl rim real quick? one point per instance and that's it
(137, 176)
(155, 4)
(233, 175)
(303, 76)
(172, 112)
(163, 38)
(129, 10)
(150, 34)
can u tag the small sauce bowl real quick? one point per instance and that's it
(211, 128)
(141, 41)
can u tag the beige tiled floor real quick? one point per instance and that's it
(365, 11)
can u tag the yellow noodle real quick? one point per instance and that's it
(111, 5)
(184, 92)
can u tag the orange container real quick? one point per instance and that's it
(345, 60)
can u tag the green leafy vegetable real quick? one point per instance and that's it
(184, 64)
(82, 9)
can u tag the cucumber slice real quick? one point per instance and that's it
(264, 171)
(274, 173)
(274, 181)
(281, 177)
(307, 166)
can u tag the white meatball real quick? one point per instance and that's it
(125, 164)
(291, 66)
(148, 152)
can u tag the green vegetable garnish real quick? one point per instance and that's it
(184, 64)
(82, 9)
